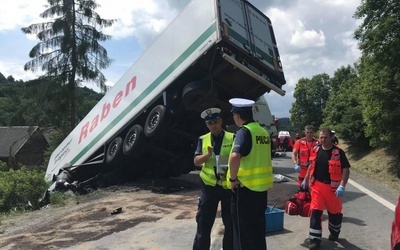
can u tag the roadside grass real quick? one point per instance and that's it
(11, 214)
(59, 199)
(17, 217)
(375, 164)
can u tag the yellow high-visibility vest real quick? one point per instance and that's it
(207, 173)
(255, 170)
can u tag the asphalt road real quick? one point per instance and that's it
(154, 221)
(368, 210)
(366, 223)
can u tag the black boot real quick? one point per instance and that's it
(314, 244)
(335, 224)
(333, 237)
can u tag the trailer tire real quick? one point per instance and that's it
(155, 121)
(193, 93)
(133, 140)
(114, 151)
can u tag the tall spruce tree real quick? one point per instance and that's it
(69, 51)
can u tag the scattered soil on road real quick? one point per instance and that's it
(89, 217)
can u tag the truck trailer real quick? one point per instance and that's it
(214, 50)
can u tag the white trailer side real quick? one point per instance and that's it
(226, 47)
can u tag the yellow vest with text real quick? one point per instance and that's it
(255, 170)
(207, 173)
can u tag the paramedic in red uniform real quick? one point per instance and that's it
(301, 153)
(327, 177)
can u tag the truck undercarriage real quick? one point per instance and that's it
(161, 136)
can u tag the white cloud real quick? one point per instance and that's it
(15, 69)
(143, 20)
(308, 38)
(313, 36)
(346, 4)
(19, 13)
(352, 44)
(289, 25)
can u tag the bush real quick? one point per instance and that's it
(3, 166)
(21, 189)
(60, 198)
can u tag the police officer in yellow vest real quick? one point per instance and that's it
(212, 155)
(250, 176)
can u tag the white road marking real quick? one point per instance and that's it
(373, 195)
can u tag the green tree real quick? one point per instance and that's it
(381, 100)
(379, 41)
(40, 103)
(343, 111)
(311, 96)
(10, 79)
(69, 50)
(18, 188)
(2, 78)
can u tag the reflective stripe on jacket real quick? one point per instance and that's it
(255, 170)
(305, 151)
(207, 173)
(335, 167)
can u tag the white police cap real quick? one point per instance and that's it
(240, 104)
(210, 114)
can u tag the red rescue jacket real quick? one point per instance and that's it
(335, 167)
(305, 151)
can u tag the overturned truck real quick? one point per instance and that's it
(213, 50)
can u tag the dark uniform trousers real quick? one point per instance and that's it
(248, 215)
(207, 210)
(334, 226)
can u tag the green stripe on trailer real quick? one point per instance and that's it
(242, 40)
(202, 38)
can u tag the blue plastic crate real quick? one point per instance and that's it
(273, 219)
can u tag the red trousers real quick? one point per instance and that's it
(323, 197)
(302, 174)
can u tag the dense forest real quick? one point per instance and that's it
(360, 102)
(40, 103)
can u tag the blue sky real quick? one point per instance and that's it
(314, 36)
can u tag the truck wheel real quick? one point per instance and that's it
(155, 121)
(198, 95)
(114, 152)
(133, 140)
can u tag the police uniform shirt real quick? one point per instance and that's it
(243, 143)
(322, 169)
(216, 142)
